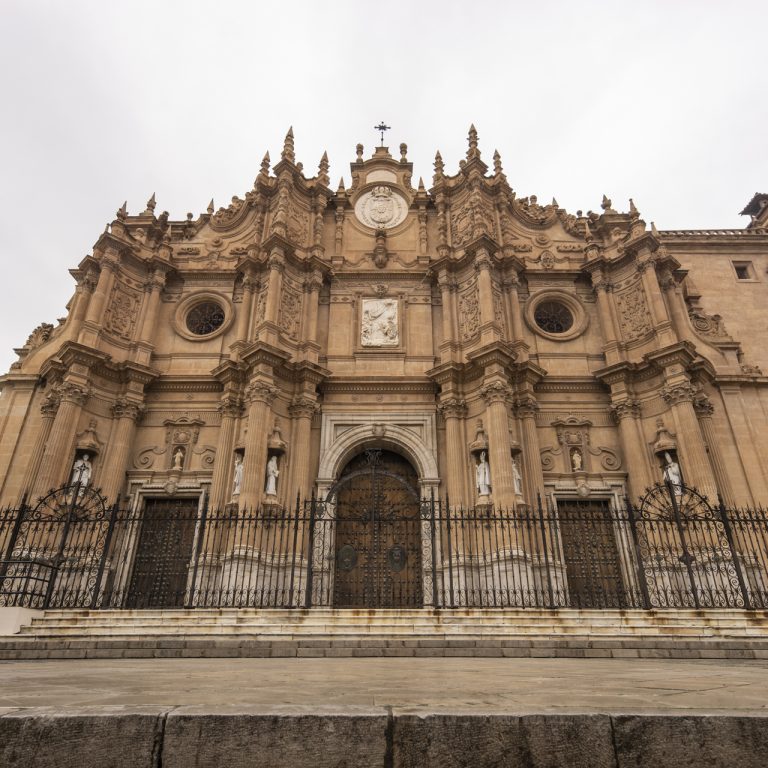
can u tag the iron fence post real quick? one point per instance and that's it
(104, 555)
(8, 554)
(311, 552)
(734, 554)
(293, 551)
(434, 553)
(550, 592)
(641, 580)
(686, 557)
(198, 549)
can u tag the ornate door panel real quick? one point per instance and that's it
(378, 537)
(592, 564)
(163, 554)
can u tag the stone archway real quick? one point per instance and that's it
(378, 544)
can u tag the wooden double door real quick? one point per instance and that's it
(378, 534)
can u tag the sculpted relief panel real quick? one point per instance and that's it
(469, 314)
(123, 309)
(634, 318)
(379, 323)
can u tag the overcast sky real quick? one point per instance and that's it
(664, 102)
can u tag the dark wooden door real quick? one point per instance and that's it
(378, 536)
(163, 554)
(592, 564)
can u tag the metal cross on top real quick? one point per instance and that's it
(381, 127)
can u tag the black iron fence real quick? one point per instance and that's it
(673, 550)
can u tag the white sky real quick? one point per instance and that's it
(664, 102)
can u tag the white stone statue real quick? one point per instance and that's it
(483, 476)
(272, 473)
(576, 460)
(238, 479)
(81, 471)
(178, 458)
(517, 478)
(672, 472)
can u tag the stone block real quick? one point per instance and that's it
(691, 741)
(274, 741)
(535, 741)
(118, 737)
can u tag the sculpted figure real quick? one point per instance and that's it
(576, 460)
(672, 472)
(272, 473)
(81, 471)
(238, 479)
(483, 476)
(517, 478)
(178, 458)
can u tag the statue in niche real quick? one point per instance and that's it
(483, 476)
(272, 473)
(672, 474)
(379, 328)
(517, 478)
(81, 471)
(178, 458)
(238, 478)
(577, 461)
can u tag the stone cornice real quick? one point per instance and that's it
(378, 385)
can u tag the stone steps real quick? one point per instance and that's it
(327, 632)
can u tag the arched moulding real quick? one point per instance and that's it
(195, 301)
(571, 307)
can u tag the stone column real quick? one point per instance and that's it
(444, 283)
(230, 409)
(658, 309)
(274, 289)
(111, 474)
(496, 395)
(311, 308)
(600, 287)
(93, 318)
(626, 413)
(705, 410)
(259, 394)
(48, 414)
(485, 296)
(453, 410)
(244, 314)
(697, 470)
(302, 409)
(58, 454)
(513, 307)
(527, 407)
(83, 294)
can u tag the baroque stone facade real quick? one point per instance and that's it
(299, 326)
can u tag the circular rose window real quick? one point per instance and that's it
(553, 317)
(205, 318)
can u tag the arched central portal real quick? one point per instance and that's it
(378, 539)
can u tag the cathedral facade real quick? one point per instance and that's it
(490, 349)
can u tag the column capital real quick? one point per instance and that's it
(73, 393)
(260, 391)
(527, 407)
(230, 407)
(625, 409)
(276, 260)
(50, 405)
(303, 407)
(678, 393)
(452, 408)
(495, 391)
(127, 409)
(703, 407)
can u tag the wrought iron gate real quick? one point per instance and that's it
(378, 534)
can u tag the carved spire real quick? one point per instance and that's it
(439, 167)
(264, 171)
(403, 152)
(341, 188)
(288, 153)
(473, 151)
(554, 203)
(211, 209)
(633, 212)
(151, 203)
(122, 212)
(606, 204)
(422, 188)
(359, 152)
(588, 236)
(654, 231)
(322, 170)
(497, 169)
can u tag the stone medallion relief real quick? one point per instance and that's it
(381, 208)
(379, 323)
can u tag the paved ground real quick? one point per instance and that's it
(439, 685)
